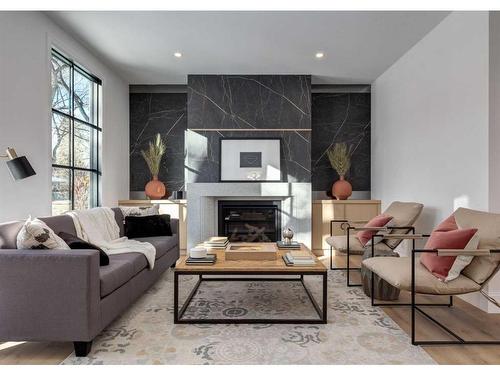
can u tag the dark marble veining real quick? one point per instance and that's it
(153, 113)
(340, 118)
(248, 102)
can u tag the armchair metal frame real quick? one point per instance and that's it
(415, 307)
(346, 226)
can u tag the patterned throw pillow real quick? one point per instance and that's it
(141, 211)
(35, 234)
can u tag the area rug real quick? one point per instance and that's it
(356, 333)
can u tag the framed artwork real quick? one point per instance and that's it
(250, 159)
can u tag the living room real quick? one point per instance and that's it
(249, 187)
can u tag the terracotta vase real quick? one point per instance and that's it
(341, 189)
(155, 189)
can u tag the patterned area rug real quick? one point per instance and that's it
(356, 333)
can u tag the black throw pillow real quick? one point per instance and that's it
(147, 226)
(75, 242)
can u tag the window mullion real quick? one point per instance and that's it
(72, 90)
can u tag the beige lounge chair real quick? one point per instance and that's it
(404, 216)
(407, 273)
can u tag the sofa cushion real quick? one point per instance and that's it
(60, 223)
(355, 247)
(397, 272)
(8, 234)
(121, 268)
(162, 244)
(120, 220)
(488, 229)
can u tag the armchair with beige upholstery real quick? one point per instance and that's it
(404, 215)
(407, 273)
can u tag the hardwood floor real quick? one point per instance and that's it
(464, 318)
(34, 353)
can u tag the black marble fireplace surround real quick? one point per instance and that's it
(247, 103)
(248, 106)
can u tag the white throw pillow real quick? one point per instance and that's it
(462, 261)
(140, 211)
(35, 234)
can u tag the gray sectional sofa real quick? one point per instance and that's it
(64, 295)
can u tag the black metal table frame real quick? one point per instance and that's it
(347, 229)
(178, 314)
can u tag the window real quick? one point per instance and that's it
(76, 133)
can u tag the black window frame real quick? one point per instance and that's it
(95, 196)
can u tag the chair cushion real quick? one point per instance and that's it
(162, 244)
(355, 247)
(397, 272)
(121, 268)
(488, 229)
(403, 214)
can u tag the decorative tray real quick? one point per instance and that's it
(251, 251)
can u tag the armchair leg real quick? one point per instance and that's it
(82, 348)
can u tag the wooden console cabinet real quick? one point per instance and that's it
(325, 210)
(177, 209)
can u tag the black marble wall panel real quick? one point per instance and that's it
(248, 102)
(340, 118)
(150, 114)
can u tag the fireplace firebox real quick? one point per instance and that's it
(250, 221)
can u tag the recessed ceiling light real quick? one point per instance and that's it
(319, 55)
(178, 54)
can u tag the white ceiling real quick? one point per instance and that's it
(358, 46)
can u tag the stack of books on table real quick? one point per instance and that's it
(293, 245)
(299, 258)
(208, 260)
(216, 243)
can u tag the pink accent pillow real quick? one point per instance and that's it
(440, 266)
(378, 221)
(448, 224)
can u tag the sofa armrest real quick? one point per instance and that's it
(174, 224)
(49, 295)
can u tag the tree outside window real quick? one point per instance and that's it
(76, 133)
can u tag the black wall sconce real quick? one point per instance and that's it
(19, 166)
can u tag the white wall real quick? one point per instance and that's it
(25, 42)
(493, 288)
(430, 123)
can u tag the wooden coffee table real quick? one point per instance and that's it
(247, 268)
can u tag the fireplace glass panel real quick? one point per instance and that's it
(250, 221)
